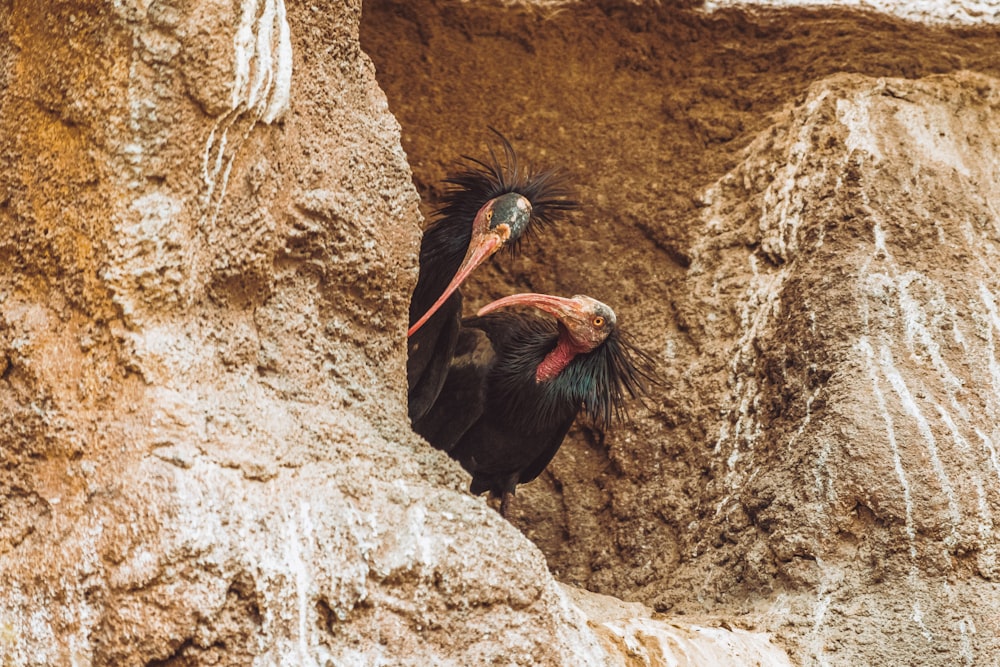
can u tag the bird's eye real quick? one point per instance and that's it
(489, 215)
(598, 321)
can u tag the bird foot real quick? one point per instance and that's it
(505, 503)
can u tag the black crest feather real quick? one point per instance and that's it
(613, 373)
(479, 181)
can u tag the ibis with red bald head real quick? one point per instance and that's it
(488, 205)
(518, 380)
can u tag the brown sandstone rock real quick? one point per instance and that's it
(208, 234)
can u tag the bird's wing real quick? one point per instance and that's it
(462, 398)
(429, 352)
(535, 468)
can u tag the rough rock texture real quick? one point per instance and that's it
(858, 447)
(633, 635)
(796, 211)
(208, 235)
(948, 12)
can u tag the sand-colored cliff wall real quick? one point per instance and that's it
(208, 233)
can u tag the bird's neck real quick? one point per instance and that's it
(558, 359)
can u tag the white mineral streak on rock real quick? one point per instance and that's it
(782, 203)
(922, 318)
(780, 217)
(893, 281)
(295, 541)
(823, 474)
(262, 78)
(985, 515)
(898, 384)
(831, 578)
(263, 59)
(891, 286)
(963, 12)
(897, 461)
(966, 628)
(918, 618)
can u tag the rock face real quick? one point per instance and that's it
(808, 252)
(209, 237)
(858, 447)
(209, 230)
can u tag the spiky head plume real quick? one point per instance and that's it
(479, 181)
(611, 374)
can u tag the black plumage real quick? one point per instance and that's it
(518, 380)
(488, 205)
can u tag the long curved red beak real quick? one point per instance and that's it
(559, 306)
(579, 331)
(484, 243)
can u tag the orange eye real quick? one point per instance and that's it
(598, 321)
(489, 215)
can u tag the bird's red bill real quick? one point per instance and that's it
(480, 250)
(559, 306)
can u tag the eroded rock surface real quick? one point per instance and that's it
(809, 253)
(857, 454)
(208, 232)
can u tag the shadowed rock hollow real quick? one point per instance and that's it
(208, 234)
